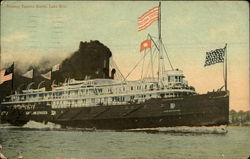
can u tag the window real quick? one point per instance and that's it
(151, 86)
(100, 90)
(104, 63)
(172, 79)
(172, 105)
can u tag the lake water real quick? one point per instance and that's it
(36, 141)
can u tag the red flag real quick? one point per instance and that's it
(148, 18)
(146, 44)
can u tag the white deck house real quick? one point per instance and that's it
(105, 92)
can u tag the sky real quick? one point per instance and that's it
(33, 31)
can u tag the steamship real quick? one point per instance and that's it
(109, 103)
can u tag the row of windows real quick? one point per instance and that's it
(131, 97)
(175, 79)
(80, 92)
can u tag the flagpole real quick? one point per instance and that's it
(33, 73)
(159, 32)
(159, 21)
(226, 67)
(13, 76)
(51, 78)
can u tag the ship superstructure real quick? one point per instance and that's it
(105, 92)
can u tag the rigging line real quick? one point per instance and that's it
(159, 61)
(154, 37)
(155, 59)
(121, 77)
(151, 61)
(153, 42)
(163, 66)
(148, 67)
(154, 55)
(143, 64)
(117, 75)
(148, 64)
(118, 70)
(114, 63)
(135, 66)
(162, 60)
(167, 55)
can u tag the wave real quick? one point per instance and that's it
(37, 125)
(185, 129)
(32, 125)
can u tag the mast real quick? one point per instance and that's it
(226, 67)
(159, 21)
(13, 76)
(50, 83)
(160, 70)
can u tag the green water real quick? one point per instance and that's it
(44, 143)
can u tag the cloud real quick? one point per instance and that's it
(25, 57)
(15, 37)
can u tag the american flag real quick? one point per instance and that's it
(215, 56)
(148, 18)
(3, 77)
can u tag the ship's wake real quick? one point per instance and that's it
(32, 125)
(185, 130)
(37, 125)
